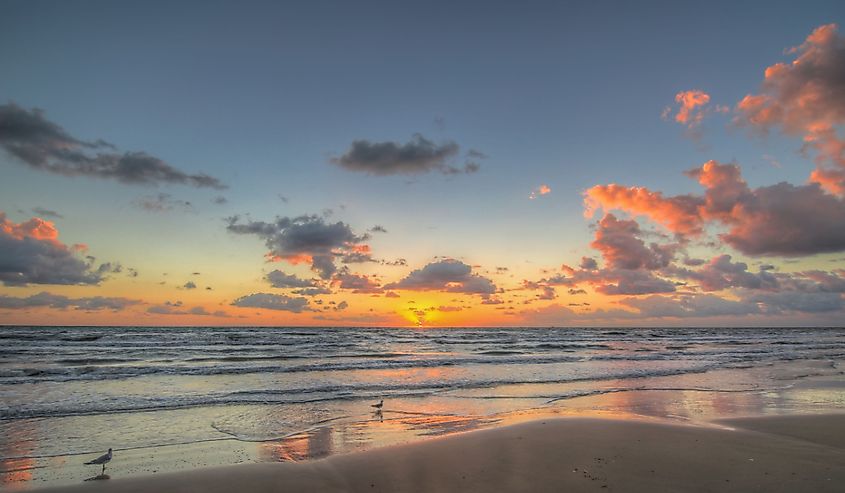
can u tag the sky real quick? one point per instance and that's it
(439, 164)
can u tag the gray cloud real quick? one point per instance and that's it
(419, 155)
(446, 275)
(41, 144)
(47, 213)
(357, 283)
(270, 301)
(316, 291)
(30, 253)
(702, 305)
(793, 301)
(279, 279)
(720, 273)
(304, 239)
(162, 202)
(45, 299)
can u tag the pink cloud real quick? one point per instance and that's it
(780, 219)
(806, 97)
(541, 190)
(692, 105)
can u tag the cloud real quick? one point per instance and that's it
(308, 239)
(189, 285)
(175, 308)
(692, 106)
(700, 305)
(45, 299)
(31, 253)
(780, 219)
(620, 245)
(279, 279)
(41, 144)
(547, 294)
(417, 156)
(358, 283)
(721, 273)
(539, 191)
(316, 291)
(446, 275)
(47, 213)
(806, 97)
(162, 202)
(270, 301)
(796, 301)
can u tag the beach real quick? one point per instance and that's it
(185, 402)
(569, 454)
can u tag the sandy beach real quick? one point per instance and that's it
(793, 453)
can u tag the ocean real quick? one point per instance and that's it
(70, 391)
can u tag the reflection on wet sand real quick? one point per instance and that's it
(18, 467)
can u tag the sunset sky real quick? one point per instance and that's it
(447, 163)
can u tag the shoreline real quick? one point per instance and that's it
(770, 453)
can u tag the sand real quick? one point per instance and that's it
(791, 454)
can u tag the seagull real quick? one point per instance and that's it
(379, 405)
(101, 460)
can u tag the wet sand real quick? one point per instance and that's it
(769, 454)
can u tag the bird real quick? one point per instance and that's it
(103, 459)
(379, 405)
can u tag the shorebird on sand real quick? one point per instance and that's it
(379, 405)
(103, 459)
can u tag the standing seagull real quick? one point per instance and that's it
(103, 459)
(379, 405)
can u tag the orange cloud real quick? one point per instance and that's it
(679, 214)
(806, 98)
(541, 190)
(780, 219)
(691, 111)
(36, 228)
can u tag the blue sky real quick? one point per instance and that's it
(262, 95)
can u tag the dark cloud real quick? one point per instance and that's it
(46, 146)
(305, 239)
(588, 263)
(30, 253)
(781, 219)
(189, 285)
(701, 305)
(547, 294)
(633, 282)
(279, 279)
(47, 213)
(620, 245)
(270, 301)
(219, 200)
(378, 229)
(45, 299)
(446, 275)
(169, 308)
(419, 155)
(312, 291)
(720, 273)
(794, 301)
(357, 283)
(162, 202)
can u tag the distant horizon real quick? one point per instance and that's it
(472, 165)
